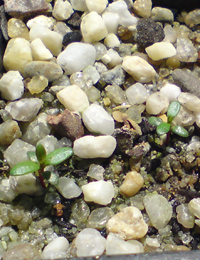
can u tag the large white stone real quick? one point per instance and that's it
(161, 50)
(93, 27)
(76, 57)
(96, 119)
(95, 146)
(136, 94)
(100, 192)
(11, 85)
(73, 98)
(68, 188)
(139, 69)
(56, 249)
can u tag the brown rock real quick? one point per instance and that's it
(25, 8)
(67, 124)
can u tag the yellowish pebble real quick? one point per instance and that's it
(37, 84)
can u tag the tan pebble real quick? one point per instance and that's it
(37, 84)
(163, 117)
(17, 28)
(132, 184)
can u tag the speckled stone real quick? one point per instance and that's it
(115, 76)
(9, 131)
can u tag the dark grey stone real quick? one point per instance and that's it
(115, 76)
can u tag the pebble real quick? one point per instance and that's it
(52, 40)
(132, 183)
(41, 20)
(115, 76)
(111, 21)
(37, 84)
(50, 70)
(62, 10)
(171, 91)
(96, 172)
(139, 69)
(70, 37)
(94, 146)
(117, 246)
(194, 207)
(170, 34)
(17, 28)
(189, 101)
(187, 81)
(61, 82)
(79, 5)
(148, 32)
(158, 209)
(73, 98)
(23, 251)
(128, 224)
(100, 50)
(91, 73)
(89, 242)
(68, 188)
(80, 213)
(97, 120)
(97, 6)
(99, 217)
(56, 249)
(67, 124)
(111, 58)
(61, 28)
(161, 50)
(184, 118)
(37, 129)
(157, 103)
(184, 216)
(20, 149)
(17, 54)
(116, 94)
(186, 52)
(9, 131)
(7, 194)
(111, 41)
(100, 192)
(161, 14)
(11, 85)
(83, 52)
(39, 50)
(136, 94)
(49, 142)
(192, 18)
(142, 8)
(24, 109)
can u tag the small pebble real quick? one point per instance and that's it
(111, 41)
(194, 207)
(9, 131)
(170, 34)
(161, 14)
(96, 172)
(192, 18)
(142, 7)
(111, 58)
(115, 93)
(17, 28)
(79, 5)
(160, 50)
(71, 37)
(97, 6)
(185, 117)
(37, 84)
(186, 52)
(157, 103)
(115, 76)
(100, 192)
(39, 50)
(41, 20)
(128, 224)
(68, 188)
(99, 217)
(171, 91)
(189, 101)
(136, 94)
(94, 146)
(62, 10)
(184, 216)
(111, 21)
(7, 194)
(56, 249)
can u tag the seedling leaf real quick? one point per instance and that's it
(163, 128)
(58, 156)
(24, 168)
(32, 156)
(173, 110)
(40, 153)
(179, 130)
(155, 120)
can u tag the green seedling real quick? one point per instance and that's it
(39, 160)
(165, 128)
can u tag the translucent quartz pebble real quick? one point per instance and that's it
(93, 27)
(142, 8)
(97, 6)
(184, 216)
(194, 207)
(80, 213)
(100, 50)
(17, 28)
(56, 249)
(99, 217)
(136, 94)
(171, 91)
(7, 194)
(96, 172)
(73, 98)
(52, 40)
(79, 5)
(189, 101)
(157, 103)
(111, 58)
(100, 192)
(170, 34)
(11, 85)
(49, 142)
(128, 224)
(89, 242)
(184, 118)
(83, 52)
(116, 94)
(37, 84)
(117, 246)
(95, 146)
(158, 209)
(139, 69)
(39, 50)
(62, 10)
(97, 120)
(160, 50)
(186, 52)
(91, 73)
(68, 188)
(24, 109)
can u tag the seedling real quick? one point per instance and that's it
(165, 128)
(39, 160)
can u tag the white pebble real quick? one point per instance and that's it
(184, 216)
(93, 27)
(7, 194)
(98, 6)
(89, 242)
(194, 207)
(94, 146)
(39, 50)
(161, 50)
(84, 53)
(139, 69)
(56, 248)
(157, 103)
(171, 91)
(111, 58)
(117, 246)
(189, 101)
(62, 10)
(41, 20)
(136, 94)
(79, 5)
(96, 119)
(68, 188)
(73, 98)
(111, 21)
(111, 41)
(11, 85)
(100, 192)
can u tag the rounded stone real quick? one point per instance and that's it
(98, 6)
(56, 247)
(68, 188)
(161, 50)
(157, 103)
(194, 207)
(136, 94)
